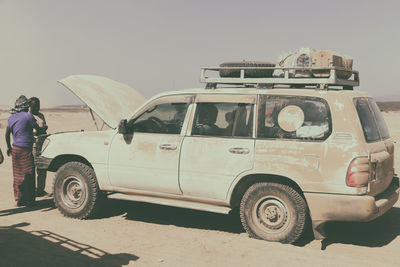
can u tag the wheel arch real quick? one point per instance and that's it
(60, 160)
(248, 180)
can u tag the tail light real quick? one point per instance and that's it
(358, 172)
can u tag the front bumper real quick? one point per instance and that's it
(42, 162)
(333, 207)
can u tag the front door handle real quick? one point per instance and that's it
(239, 150)
(168, 147)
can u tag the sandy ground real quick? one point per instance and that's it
(130, 233)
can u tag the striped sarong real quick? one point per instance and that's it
(24, 174)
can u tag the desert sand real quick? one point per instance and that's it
(139, 234)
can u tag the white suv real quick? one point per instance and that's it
(279, 155)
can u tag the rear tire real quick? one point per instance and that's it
(273, 212)
(76, 191)
(227, 73)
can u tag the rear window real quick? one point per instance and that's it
(372, 122)
(294, 117)
(382, 127)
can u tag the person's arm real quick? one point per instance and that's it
(35, 125)
(40, 130)
(43, 118)
(43, 129)
(8, 141)
(45, 126)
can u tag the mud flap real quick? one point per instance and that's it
(319, 229)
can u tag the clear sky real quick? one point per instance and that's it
(155, 46)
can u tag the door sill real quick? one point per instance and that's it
(182, 202)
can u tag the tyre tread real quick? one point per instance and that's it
(293, 194)
(94, 192)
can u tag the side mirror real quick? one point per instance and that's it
(123, 127)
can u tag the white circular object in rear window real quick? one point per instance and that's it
(290, 118)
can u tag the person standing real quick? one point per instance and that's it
(21, 124)
(41, 121)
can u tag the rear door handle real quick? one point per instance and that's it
(168, 147)
(239, 150)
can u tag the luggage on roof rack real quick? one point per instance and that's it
(329, 79)
(301, 58)
(309, 57)
(327, 58)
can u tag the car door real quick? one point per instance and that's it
(147, 158)
(219, 145)
(290, 140)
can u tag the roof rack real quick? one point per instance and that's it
(288, 78)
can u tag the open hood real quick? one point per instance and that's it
(110, 100)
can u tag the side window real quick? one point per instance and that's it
(372, 122)
(223, 119)
(380, 122)
(163, 118)
(304, 118)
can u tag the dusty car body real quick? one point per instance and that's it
(329, 149)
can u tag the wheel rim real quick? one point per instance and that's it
(73, 192)
(272, 214)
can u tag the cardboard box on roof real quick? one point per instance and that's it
(327, 58)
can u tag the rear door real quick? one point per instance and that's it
(379, 145)
(219, 145)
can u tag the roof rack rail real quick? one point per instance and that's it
(288, 78)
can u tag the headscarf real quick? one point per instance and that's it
(21, 104)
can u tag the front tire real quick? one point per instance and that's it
(76, 191)
(273, 212)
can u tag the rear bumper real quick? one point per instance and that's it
(42, 162)
(333, 207)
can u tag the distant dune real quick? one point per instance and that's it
(389, 106)
(62, 108)
(66, 108)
